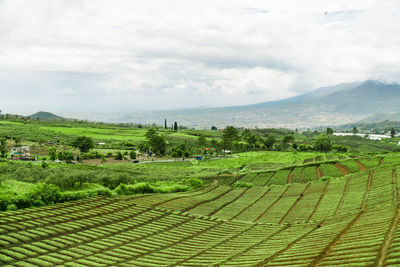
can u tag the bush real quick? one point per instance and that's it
(45, 193)
(75, 195)
(193, 183)
(11, 207)
(139, 188)
(93, 155)
(45, 165)
(37, 195)
(147, 188)
(119, 156)
(326, 178)
(242, 184)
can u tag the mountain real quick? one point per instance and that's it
(335, 105)
(46, 116)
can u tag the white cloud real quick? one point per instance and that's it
(193, 53)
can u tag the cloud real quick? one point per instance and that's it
(123, 54)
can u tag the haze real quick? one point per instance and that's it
(75, 57)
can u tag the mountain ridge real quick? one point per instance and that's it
(334, 105)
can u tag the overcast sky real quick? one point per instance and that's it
(73, 57)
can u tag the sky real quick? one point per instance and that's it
(98, 56)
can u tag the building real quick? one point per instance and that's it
(21, 153)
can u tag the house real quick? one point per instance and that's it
(21, 153)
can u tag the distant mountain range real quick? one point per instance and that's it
(336, 105)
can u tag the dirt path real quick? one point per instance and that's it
(395, 187)
(302, 175)
(273, 204)
(381, 260)
(290, 177)
(333, 243)
(319, 202)
(344, 194)
(269, 179)
(319, 172)
(294, 204)
(366, 195)
(360, 165)
(342, 168)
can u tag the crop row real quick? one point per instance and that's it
(348, 220)
(305, 174)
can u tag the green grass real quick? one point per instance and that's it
(330, 170)
(99, 133)
(11, 122)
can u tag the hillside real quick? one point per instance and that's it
(303, 220)
(336, 105)
(45, 116)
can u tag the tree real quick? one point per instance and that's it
(229, 135)
(249, 138)
(165, 124)
(53, 154)
(132, 155)
(156, 142)
(179, 152)
(175, 126)
(143, 147)
(3, 148)
(286, 140)
(245, 133)
(392, 133)
(119, 156)
(151, 133)
(329, 131)
(83, 143)
(214, 145)
(18, 141)
(355, 130)
(269, 142)
(323, 143)
(340, 148)
(201, 141)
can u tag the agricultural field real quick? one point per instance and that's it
(285, 203)
(327, 218)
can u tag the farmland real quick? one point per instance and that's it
(280, 204)
(309, 221)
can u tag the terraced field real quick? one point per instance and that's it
(298, 220)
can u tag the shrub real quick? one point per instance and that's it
(45, 165)
(11, 207)
(242, 184)
(139, 188)
(326, 178)
(193, 183)
(119, 156)
(45, 193)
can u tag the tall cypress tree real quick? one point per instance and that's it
(175, 126)
(165, 124)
